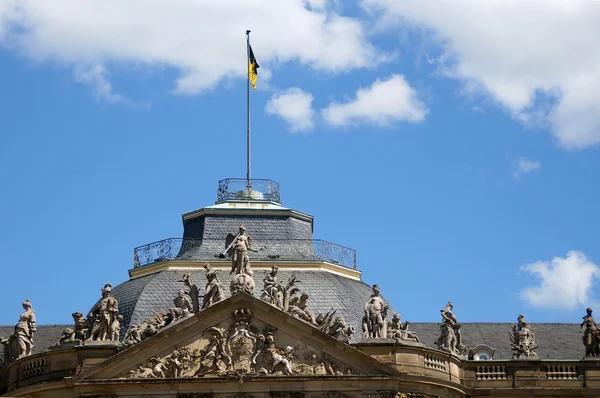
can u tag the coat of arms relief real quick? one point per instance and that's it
(241, 349)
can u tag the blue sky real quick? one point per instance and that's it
(452, 147)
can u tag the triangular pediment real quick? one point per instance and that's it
(243, 337)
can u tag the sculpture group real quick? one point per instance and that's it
(239, 351)
(290, 299)
(102, 325)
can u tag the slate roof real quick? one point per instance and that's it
(556, 340)
(283, 236)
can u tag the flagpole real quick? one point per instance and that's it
(248, 183)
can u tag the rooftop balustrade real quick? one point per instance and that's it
(179, 249)
(254, 190)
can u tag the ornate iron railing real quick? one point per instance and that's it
(268, 250)
(239, 189)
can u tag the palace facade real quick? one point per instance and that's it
(249, 304)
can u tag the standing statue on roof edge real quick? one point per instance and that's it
(20, 343)
(104, 316)
(522, 339)
(450, 338)
(374, 325)
(590, 334)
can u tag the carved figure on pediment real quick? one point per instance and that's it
(374, 325)
(299, 308)
(241, 343)
(272, 291)
(104, 315)
(177, 362)
(192, 291)
(591, 334)
(399, 331)
(242, 283)
(340, 330)
(183, 307)
(214, 357)
(522, 339)
(271, 358)
(143, 330)
(213, 292)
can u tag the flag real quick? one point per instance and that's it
(252, 67)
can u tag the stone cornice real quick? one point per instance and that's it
(248, 212)
(256, 265)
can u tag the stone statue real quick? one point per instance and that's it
(590, 334)
(81, 326)
(213, 292)
(399, 331)
(214, 357)
(4, 351)
(237, 248)
(450, 336)
(273, 359)
(240, 350)
(374, 325)
(21, 342)
(183, 307)
(340, 330)
(299, 308)
(193, 292)
(239, 245)
(522, 339)
(104, 316)
(272, 290)
(78, 333)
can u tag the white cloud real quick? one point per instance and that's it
(523, 166)
(203, 40)
(537, 58)
(382, 103)
(96, 77)
(564, 282)
(295, 107)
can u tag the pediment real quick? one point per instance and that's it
(239, 337)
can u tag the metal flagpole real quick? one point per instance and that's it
(248, 183)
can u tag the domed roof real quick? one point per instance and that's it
(140, 298)
(281, 236)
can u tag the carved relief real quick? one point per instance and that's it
(240, 350)
(522, 339)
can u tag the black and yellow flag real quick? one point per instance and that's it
(252, 67)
